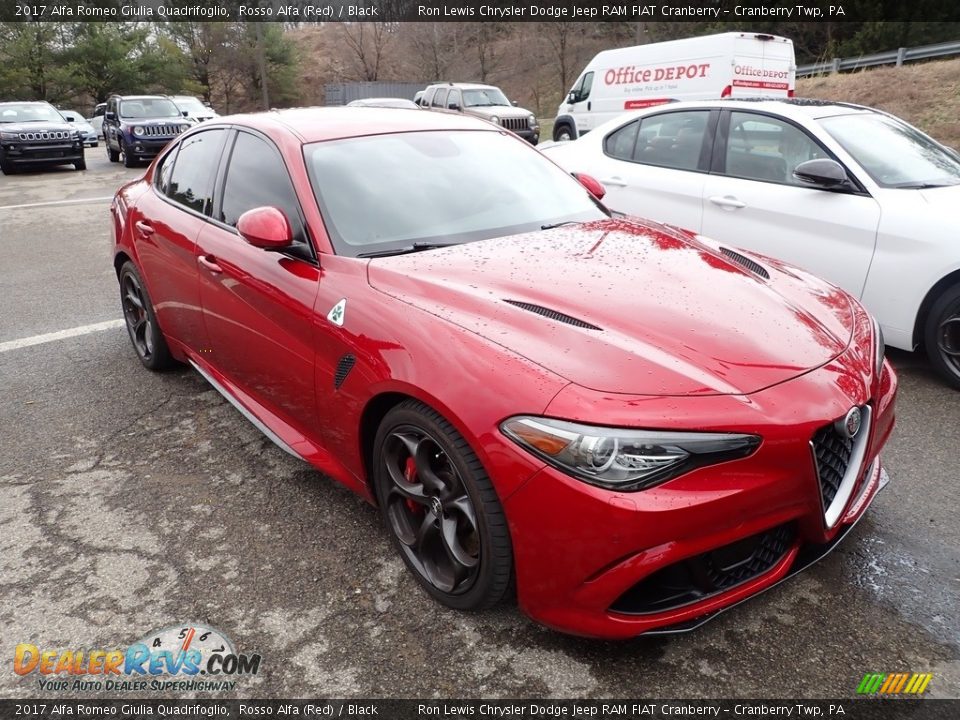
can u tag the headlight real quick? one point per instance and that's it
(8, 136)
(532, 121)
(879, 347)
(138, 131)
(495, 119)
(620, 458)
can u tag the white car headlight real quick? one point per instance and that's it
(621, 458)
(495, 119)
(138, 131)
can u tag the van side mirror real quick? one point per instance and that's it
(822, 172)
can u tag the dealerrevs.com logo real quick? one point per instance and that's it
(188, 657)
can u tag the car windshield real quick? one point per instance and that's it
(27, 112)
(389, 192)
(191, 105)
(148, 108)
(486, 97)
(894, 154)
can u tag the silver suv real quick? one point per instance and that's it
(483, 101)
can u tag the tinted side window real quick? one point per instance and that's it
(620, 143)
(257, 177)
(191, 181)
(163, 171)
(440, 98)
(766, 148)
(672, 140)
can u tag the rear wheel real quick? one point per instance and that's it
(942, 336)
(142, 325)
(441, 509)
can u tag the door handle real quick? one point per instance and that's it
(728, 202)
(210, 263)
(144, 228)
(614, 181)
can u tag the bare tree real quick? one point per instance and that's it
(435, 46)
(484, 37)
(367, 42)
(562, 39)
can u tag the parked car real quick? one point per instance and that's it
(384, 103)
(34, 134)
(485, 102)
(668, 429)
(137, 127)
(710, 67)
(194, 108)
(80, 123)
(849, 193)
(96, 120)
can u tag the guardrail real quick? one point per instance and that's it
(892, 57)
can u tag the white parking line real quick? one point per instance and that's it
(57, 202)
(59, 335)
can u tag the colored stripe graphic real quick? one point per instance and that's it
(894, 683)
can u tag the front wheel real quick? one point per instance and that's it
(441, 509)
(562, 133)
(80, 165)
(112, 155)
(141, 321)
(129, 159)
(942, 336)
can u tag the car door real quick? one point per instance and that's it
(258, 304)
(655, 166)
(166, 223)
(753, 201)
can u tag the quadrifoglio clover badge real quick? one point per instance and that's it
(188, 657)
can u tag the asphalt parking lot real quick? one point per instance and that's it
(132, 501)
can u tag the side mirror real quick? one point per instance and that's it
(110, 115)
(592, 185)
(571, 97)
(822, 172)
(453, 106)
(185, 113)
(515, 102)
(68, 118)
(265, 227)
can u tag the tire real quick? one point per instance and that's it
(112, 155)
(444, 493)
(942, 336)
(80, 165)
(128, 159)
(145, 334)
(7, 168)
(562, 133)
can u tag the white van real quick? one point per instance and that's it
(731, 64)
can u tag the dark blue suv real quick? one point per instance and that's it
(139, 126)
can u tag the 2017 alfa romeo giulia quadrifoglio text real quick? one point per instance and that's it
(627, 426)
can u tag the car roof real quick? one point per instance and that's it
(316, 124)
(466, 86)
(25, 102)
(798, 108)
(142, 97)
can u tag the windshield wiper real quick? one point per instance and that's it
(922, 185)
(551, 226)
(415, 247)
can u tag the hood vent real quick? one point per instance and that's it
(754, 267)
(553, 315)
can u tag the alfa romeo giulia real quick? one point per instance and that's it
(628, 426)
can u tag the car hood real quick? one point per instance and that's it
(624, 306)
(502, 111)
(35, 127)
(943, 198)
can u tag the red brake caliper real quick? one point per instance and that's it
(410, 474)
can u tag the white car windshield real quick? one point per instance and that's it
(487, 97)
(148, 108)
(389, 192)
(894, 154)
(27, 112)
(191, 105)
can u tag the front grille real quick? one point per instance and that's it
(165, 130)
(514, 123)
(45, 135)
(701, 576)
(833, 452)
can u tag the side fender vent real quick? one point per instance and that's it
(553, 315)
(343, 369)
(754, 267)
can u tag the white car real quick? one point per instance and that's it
(193, 108)
(848, 193)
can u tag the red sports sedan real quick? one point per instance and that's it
(630, 427)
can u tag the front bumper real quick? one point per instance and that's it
(531, 135)
(144, 148)
(42, 154)
(611, 564)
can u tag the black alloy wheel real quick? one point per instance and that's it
(942, 338)
(440, 508)
(141, 321)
